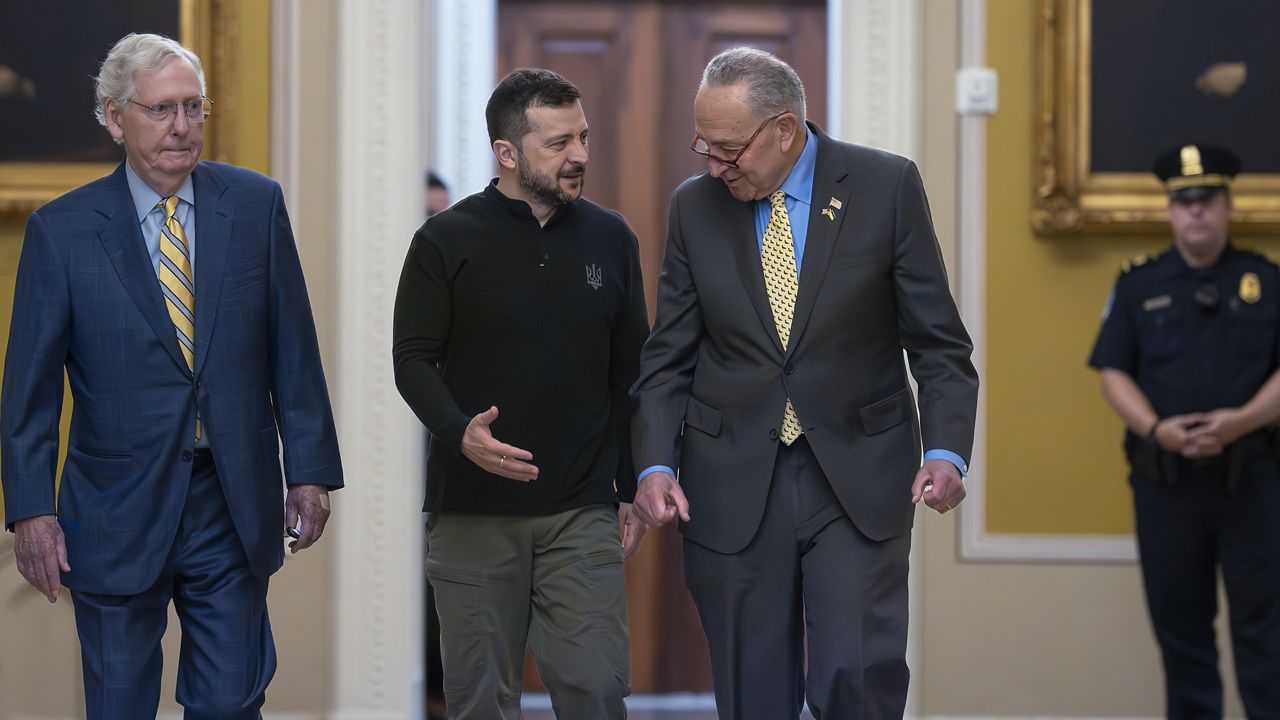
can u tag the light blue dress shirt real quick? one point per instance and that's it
(151, 217)
(799, 190)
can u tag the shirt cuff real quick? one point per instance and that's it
(653, 469)
(950, 457)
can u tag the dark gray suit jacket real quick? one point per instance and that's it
(714, 378)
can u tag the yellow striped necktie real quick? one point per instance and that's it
(177, 282)
(778, 256)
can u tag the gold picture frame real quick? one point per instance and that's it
(1071, 197)
(205, 26)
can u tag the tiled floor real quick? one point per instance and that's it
(642, 707)
(634, 714)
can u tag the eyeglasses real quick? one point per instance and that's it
(701, 147)
(197, 110)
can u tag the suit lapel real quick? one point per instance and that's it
(121, 237)
(213, 239)
(829, 182)
(746, 253)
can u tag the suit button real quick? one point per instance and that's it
(773, 434)
(789, 369)
(186, 456)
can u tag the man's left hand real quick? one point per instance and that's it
(632, 530)
(1217, 429)
(939, 484)
(311, 504)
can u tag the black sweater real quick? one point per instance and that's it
(546, 323)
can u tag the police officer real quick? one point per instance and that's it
(1188, 354)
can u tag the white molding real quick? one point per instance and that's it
(285, 101)
(879, 70)
(465, 40)
(376, 670)
(875, 76)
(976, 543)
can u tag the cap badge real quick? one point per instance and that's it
(1191, 164)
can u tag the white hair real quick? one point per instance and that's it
(773, 87)
(135, 53)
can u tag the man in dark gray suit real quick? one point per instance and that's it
(797, 271)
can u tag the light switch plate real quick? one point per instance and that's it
(977, 90)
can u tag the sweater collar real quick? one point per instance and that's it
(519, 208)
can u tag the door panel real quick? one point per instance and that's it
(697, 32)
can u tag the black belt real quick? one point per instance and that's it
(1225, 468)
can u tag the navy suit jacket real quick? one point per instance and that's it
(87, 300)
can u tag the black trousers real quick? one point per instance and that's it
(808, 571)
(1189, 531)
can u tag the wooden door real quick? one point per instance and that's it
(638, 65)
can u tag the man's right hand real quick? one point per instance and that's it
(41, 550)
(659, 499)
(482, 448)
(1177, 435)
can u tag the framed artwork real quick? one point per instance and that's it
(50, 141)
(1121, 82)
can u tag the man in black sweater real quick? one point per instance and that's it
(518, 326)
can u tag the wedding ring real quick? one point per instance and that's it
(502, 460)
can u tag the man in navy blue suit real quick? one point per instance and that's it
(171, 294)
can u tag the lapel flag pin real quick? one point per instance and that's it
(835, 203)
(830, 215)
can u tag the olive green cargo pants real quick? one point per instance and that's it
(553, 583)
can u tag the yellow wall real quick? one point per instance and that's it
(1055, 463)
(251, 124)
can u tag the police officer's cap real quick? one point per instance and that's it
(1194, 172)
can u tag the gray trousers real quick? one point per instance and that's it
(552, 583)
(807, 574)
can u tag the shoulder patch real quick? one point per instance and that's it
(1133, 263)
(1259, 256)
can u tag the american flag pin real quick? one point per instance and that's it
(830, 215)
(835, 203)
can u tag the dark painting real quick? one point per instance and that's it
(49, 55)
(1169, 72)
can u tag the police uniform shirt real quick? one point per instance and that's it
(1193, 340)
